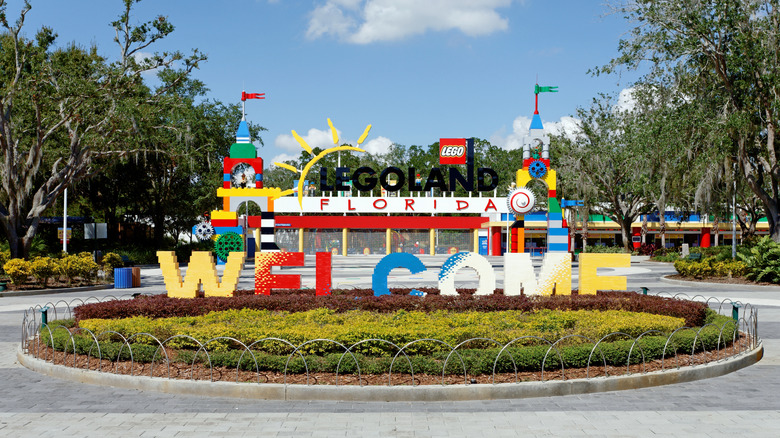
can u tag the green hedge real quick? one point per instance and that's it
(399, 327)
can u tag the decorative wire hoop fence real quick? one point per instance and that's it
(743, 339)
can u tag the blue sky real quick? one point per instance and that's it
(415, 70)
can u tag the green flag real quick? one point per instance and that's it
(538, 89)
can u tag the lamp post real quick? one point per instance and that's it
(734, 220)
(65, 222)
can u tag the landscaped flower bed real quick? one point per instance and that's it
(517, 337)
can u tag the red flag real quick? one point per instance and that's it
(245, 96)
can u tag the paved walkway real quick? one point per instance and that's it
(746, 402)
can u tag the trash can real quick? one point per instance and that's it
(136, 276)
(123, 278)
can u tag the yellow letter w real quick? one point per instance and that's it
(201, 270)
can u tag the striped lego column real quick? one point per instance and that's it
(518, 235)
(557, 235)
(267, 232)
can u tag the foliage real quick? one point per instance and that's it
(647, 249)
(719, 253)
(669, 257)
(399, 327)
(140, 256)
(161, 306)
(762, 260)
(604, 249)
(666, 255)
(608, 156)
(65, 106)
(722, 55)
(18, 270)
(5, 255)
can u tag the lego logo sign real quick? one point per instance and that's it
(452, 151)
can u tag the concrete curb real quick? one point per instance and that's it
(274, 391)
(64, 290)
(731, 286)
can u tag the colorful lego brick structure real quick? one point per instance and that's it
(536, 166)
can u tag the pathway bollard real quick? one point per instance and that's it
(44, 316)
(735, 311)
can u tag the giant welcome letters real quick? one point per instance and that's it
(519, 275)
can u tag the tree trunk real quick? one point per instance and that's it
(625, 231)
(585, 220)
(716, 228)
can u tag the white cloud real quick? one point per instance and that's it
(379, 145)
(281, 158)
(626, 100)
(568, 126)
(368, 21)
(315, 138)
(323, 139)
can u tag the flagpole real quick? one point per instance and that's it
(243, 104)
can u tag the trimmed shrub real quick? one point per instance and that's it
(604, 249)
(43, 268)
(110, 261)
(78, 266)
(18, 270)
(160, 306)
(710, 267)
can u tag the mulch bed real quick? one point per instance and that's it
(10, 287)
(183, 371)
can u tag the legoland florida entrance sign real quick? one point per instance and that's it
(243, 181)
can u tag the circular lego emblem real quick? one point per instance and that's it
(537, 169)
(204, 230)
(521, 201)
(227, 243)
